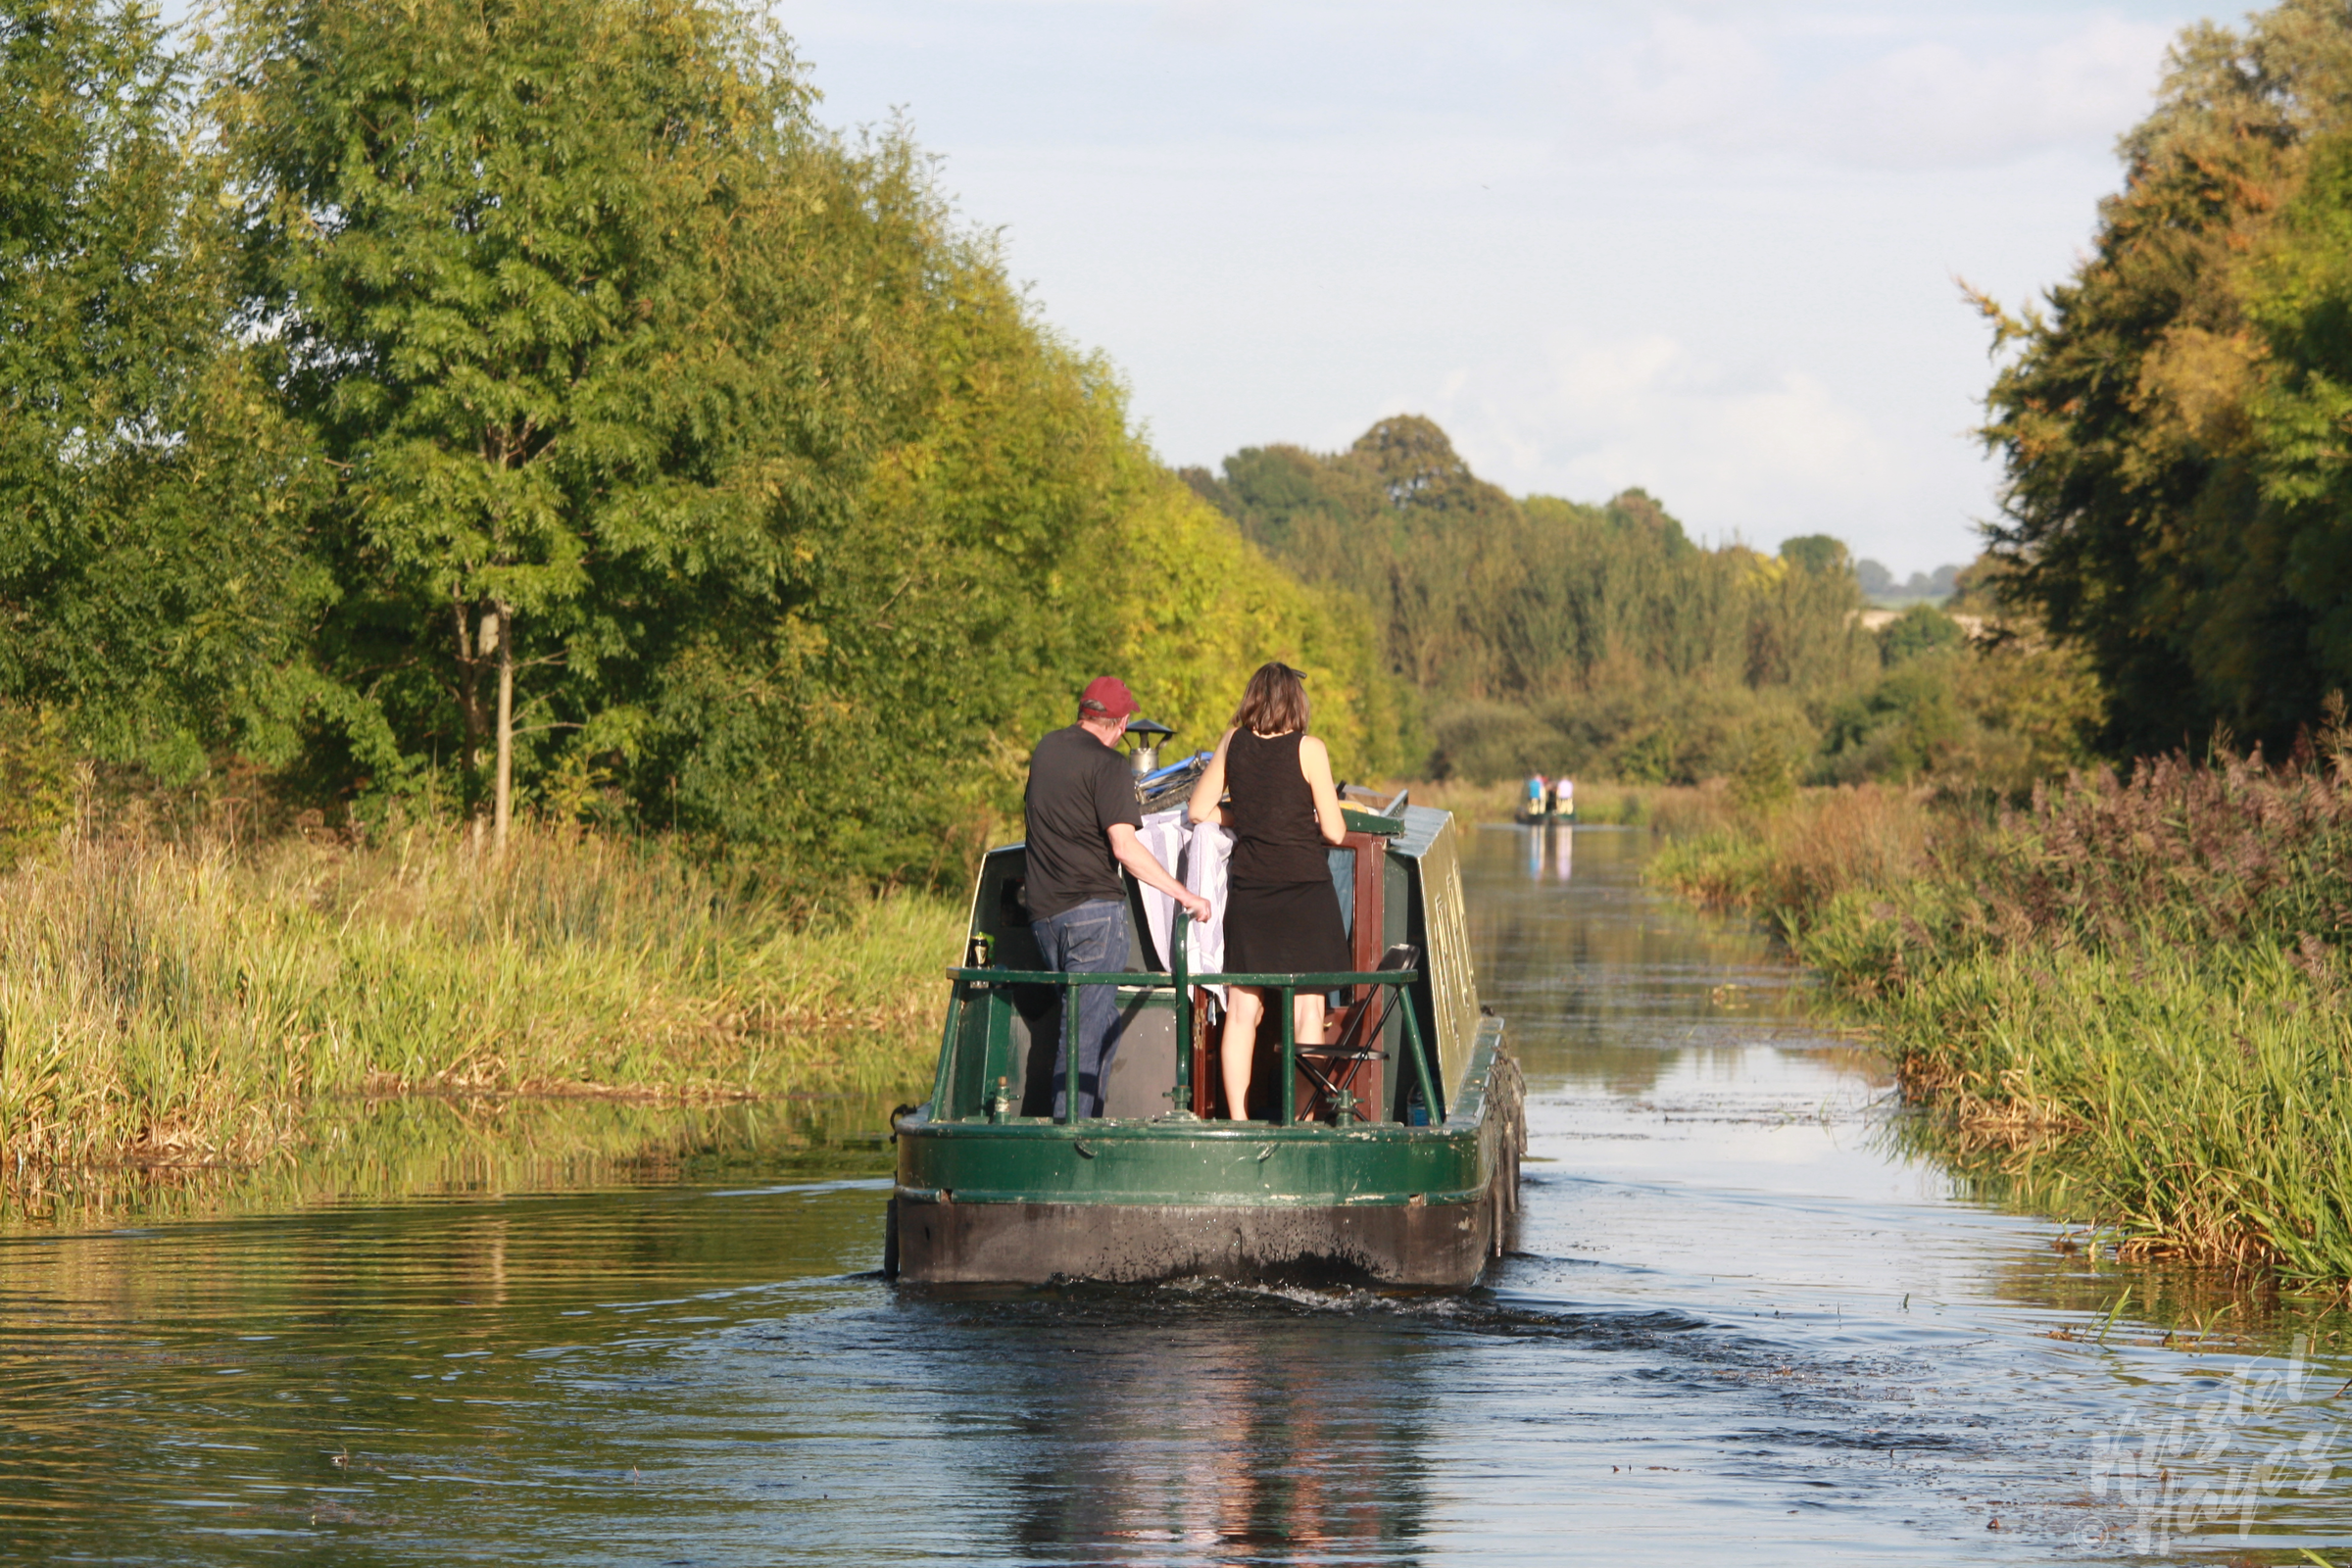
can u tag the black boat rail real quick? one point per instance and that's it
(1180, 982)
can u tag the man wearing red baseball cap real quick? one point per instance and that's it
(1082, 818)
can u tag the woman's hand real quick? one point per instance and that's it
(1314, 761)
(1202, 804)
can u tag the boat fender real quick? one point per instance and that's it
(896, 1111)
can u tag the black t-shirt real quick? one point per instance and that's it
(1078, 787)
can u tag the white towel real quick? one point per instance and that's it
(1204, 867)
(1163, 833)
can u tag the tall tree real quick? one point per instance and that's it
(2300, 296)
(2150, 486)
(157, 586)
(559, 295)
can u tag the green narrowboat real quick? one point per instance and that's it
(1387, 1157)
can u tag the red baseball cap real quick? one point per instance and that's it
(1109, 696)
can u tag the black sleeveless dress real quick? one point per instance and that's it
(1282, 913)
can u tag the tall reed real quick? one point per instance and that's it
(2133, 986)
(183, 1000)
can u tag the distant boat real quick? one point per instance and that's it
(1390, 1156)
(1556, 807)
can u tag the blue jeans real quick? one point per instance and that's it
(1091, 939)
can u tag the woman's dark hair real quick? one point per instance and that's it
(1275, 702)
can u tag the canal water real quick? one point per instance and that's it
(1743, 1325)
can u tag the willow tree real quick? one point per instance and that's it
(555, 291)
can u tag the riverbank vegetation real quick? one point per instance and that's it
(2129, 991)
(194, 1001)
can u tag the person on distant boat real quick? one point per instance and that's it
(1080, 816)
(1282, 913)
(1535, 795)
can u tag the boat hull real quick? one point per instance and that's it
(1030, 1203)
(1442, 1247)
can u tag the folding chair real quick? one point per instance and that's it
(1329, 1066)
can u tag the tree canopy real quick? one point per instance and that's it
(380, 354)
(156, 574)
(2170, 421)
(1542, 632)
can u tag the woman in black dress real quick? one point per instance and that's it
(1282, 913)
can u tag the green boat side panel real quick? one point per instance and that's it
(1442, 930)
(973, 1160)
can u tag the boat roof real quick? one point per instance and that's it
(1419, 827)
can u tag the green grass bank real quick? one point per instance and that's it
(187, 1002)
(2127, 995)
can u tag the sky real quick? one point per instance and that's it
(1711, 249)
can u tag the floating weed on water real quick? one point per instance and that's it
(2113, 1313)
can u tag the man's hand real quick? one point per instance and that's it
(1128, 850)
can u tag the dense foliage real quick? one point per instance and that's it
(156, 577)
(387, 353)
(1546, 634)
(2172, 425)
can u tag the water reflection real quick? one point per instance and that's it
(1550, 853)
(1228, 1426)
(1605, 982)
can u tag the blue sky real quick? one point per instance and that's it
(1708, 249)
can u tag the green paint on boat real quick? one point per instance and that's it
(1406, 1176)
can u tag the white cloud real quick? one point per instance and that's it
(1936, 103)
(1754, 452)
(1936, 92)
(1684, 78)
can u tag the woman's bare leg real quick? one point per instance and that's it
(1244, 1006)
(1306, 1026)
